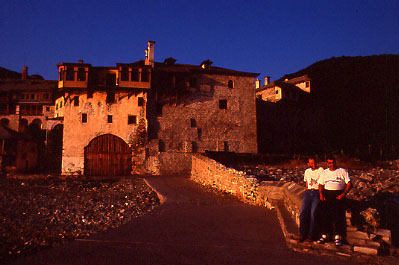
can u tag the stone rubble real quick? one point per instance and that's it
(41, 213)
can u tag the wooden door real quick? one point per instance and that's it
(107, 155)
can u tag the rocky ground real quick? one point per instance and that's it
(42, 212)
(374, 199)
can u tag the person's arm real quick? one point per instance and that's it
(321, 188)
(347, 189)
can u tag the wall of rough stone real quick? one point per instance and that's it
(210, 173)
(199, 122)
(77, 135)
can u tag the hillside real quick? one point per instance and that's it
(8, 74)
(357, 98)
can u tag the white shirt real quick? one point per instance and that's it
(312, 177)
(334, 180)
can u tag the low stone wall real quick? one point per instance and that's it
(167, 163)
(210, 173)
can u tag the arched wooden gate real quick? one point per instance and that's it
(107, 155)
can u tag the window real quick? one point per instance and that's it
(84, 118)
(22, 96)
(76, 101)
(109, 118)
(46, 96)
(61, 104)
(307, 84)
(144, 75)
(32, 96)
(230, 84)
(47, 109)
(70, 74)
(140, 101)
(226, 146)
(125, 74)
(81, 74)
(132, 119)
(61, 75)
(135, 74)
(56, 106)
(193, 123)
(222, 104)
(193, 82)
(161, 146)
(194, 147)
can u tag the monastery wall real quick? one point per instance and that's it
(214, 118)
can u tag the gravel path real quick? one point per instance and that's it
(40, 213)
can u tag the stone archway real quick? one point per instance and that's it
(107, 155)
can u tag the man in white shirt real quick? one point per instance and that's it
(334, 185)
(307, 227)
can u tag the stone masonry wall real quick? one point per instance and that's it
(199, 124)
(210, 173)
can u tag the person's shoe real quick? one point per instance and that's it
(322, 240)
(338, 241)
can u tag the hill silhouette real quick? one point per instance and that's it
(356, 101)
(9, 74)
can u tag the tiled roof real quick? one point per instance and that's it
(27, 85)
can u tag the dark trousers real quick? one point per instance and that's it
(333, 219)
(308, 227)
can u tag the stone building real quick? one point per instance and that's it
(288, 89)
(150, 116)
(26, 119)
(26, 101)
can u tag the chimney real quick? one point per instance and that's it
(24, 75)
(149, 54)
(80, 61)
(267, 80)
(257, 83)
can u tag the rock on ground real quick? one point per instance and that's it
(40, 213)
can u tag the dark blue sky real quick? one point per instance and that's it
(268, 37)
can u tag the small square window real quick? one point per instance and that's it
(132, 119)
(140, 101)
(84, 117)
(81, 74)
(109, 118)
(222, 104)
(47, 109)
(230, 84)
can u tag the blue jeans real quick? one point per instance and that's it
(307, 218)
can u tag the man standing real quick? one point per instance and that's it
(334, 185)
(307, 226)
